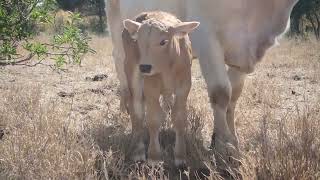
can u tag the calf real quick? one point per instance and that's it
(157, 62)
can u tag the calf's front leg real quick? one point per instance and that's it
(136, 111)
(179, 117)
(154, 115)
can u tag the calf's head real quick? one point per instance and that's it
(158, 43)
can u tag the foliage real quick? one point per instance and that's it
(72, 5)
(19, 20)
(72, 42)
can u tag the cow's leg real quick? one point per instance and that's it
(130, 101)
(237, 80)
(179, 117)
(124, 90)
(211, 58)
(154, 116)
(116, 27)
(119, 60)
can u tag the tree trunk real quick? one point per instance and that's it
(295, 25)
(100, 14)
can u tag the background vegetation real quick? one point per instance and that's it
(305, 18)
(21, 21)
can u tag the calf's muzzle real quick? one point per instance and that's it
(145, 68)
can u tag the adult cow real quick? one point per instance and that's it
(233, 32)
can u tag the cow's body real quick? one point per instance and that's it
(232, 32)
(169, 58)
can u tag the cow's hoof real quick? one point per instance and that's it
(123, 107)
(233, 140)
(227, 155)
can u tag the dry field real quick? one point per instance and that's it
(67, 124)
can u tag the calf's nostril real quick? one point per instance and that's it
(145, 68)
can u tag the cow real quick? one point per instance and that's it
(233, 37)
(158, 59)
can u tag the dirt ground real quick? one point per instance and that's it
(277, 118)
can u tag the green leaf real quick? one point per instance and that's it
(60, 61)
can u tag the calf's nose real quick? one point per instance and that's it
(145, 68)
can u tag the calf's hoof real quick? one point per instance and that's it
(180, 163)
(139, 154)
(154, 157)
(154, 162)
(123, 106)
(139, 157)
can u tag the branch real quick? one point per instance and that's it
(317, 19)
(34, 5)
(29, 57)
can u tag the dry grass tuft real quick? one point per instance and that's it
(287, 149)
(39, 143)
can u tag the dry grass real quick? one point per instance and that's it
(64, 126)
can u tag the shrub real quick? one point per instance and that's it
(19, 21)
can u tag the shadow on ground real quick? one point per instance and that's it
(117, 147)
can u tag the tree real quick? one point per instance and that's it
(18, 22)
(87, 8)
(313, 17)
(307, 12)
(69, 5)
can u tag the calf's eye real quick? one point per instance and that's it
(163, 42)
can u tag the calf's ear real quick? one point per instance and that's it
(184, 28)
(131, 26)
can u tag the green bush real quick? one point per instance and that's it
(19, 21)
